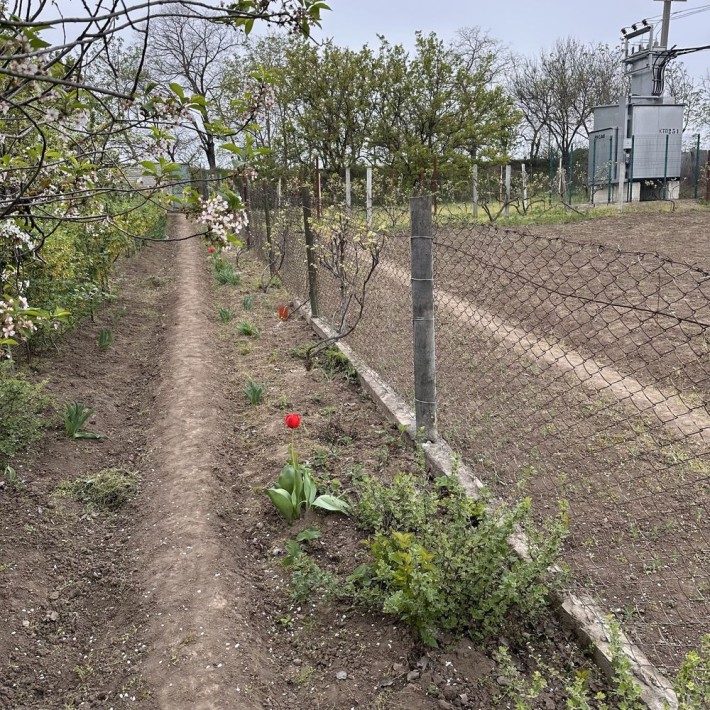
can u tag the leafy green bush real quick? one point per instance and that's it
(442, 563)
(21, 405)
(692, 685)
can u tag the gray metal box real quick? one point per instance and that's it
(657, 137)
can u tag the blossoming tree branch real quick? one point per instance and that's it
(78, 108)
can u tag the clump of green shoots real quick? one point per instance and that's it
(255, 391)
(75, 417)
(105, 339)
(225, 315)
(246, 327)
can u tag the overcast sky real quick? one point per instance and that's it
(525, 25)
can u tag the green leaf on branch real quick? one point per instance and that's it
(177, 90)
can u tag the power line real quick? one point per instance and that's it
(680, 14)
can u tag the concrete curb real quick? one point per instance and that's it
(578, 612)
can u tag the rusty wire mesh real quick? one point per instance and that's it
(565, 371)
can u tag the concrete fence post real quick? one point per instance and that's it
(348, 192)
(422, 242)
(310, 252)
(368, 195)
(507, 190)
(475, 191)
(269, 239)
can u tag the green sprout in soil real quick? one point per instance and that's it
(255, 391)
(246, 327)
(75, 417)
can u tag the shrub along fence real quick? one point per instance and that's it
(562, 371)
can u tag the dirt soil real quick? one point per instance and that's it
(181, 600)
(679, 232)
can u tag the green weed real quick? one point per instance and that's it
(11, 478)
(308, 579)
(248, 303)
(225, 274)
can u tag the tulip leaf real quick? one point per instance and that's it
(286, 478)
(332, 503)
(309, 490)
(282, 500)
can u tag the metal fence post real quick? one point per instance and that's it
(630, 192)
(697, 168)
(592, 192)
(368, 195)
(310, 251)
(622, 179)
(609, 167)
(423, 316)
(665, 171)
(247, 204)
(319, 204)
(570, 160)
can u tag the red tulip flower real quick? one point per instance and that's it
(283, 312)
(211, 250)
(293, 421)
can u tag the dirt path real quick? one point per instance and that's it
(186, 571)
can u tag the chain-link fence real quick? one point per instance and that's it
(577, 372)
(566, 371)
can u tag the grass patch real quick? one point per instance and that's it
(105, 491)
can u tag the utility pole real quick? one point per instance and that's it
(666, 20)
